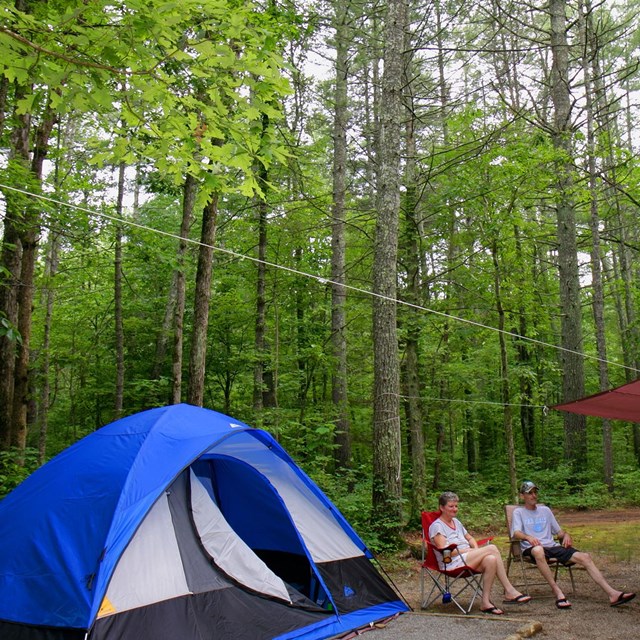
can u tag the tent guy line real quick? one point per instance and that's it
(320, 279)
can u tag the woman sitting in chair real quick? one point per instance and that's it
(446, 531)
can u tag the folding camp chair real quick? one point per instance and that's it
(527, 562)
(460, 586)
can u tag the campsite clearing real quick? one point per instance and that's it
(604, 534)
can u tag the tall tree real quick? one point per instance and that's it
(387, 485)
(339, 386)
(569, 275)
(590, 68)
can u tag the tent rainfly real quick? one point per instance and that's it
(621, 403)
(180, 523)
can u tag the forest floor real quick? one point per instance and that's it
(610, 536)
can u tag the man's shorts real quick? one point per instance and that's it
(557, 552)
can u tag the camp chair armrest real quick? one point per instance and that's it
(450, 547)
(484, 541)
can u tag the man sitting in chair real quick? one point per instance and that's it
(447, 530)
(535, 526)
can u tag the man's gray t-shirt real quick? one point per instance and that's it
(539, 523)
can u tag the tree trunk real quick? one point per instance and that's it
(339, 388)
(190, 191)
(162, 339)
(570, 308)
(411, 370)
(29, 232)
(117, 303)
(261, 356)
(387, 485)
(590, 63)
(198, 354)
(505, 392)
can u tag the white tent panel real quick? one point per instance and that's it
(150, 570)
(228, 550)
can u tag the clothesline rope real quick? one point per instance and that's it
(320, 279)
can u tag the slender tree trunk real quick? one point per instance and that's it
(29, 231)
(119, 325)
(339, 388)
(411, 370)
(261, 356)
(525, 361)
(590, 63)
(570, 304)
(162, 338)
(302, 341)
(10, 273)
(190, 191)
(51, 269)
(505, 391)
(198, 354)
(387, 485)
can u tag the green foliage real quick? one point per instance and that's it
(8, 330)
(15, 466)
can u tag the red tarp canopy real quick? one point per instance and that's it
(621, 403)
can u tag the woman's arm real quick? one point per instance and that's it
(471, 540)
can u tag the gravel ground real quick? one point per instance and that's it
(419, 626)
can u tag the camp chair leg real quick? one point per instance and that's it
(569, 568)
(441, 585)
(436, 585)
(511, 559)
(472, 583)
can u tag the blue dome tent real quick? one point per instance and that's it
(181, 523)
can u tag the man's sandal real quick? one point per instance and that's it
(622, 598)
(563, 603)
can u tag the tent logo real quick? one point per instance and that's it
(348, 591)
(233, 425)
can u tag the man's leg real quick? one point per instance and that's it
(584, 559)
(537, 553)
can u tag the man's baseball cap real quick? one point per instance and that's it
(527, 486)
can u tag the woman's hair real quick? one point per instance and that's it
(447, 496)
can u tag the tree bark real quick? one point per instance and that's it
(190, 191)
(590, 67)
(570, 305)
(261, 359)
(29, 232)
(198, 354)
(412, 318)
(117, 303)
(339, 386)
(387, 484)
(505, 392)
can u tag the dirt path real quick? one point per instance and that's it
(591, 617)
(586, 518)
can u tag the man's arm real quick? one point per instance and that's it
(565, 538)
(532, 540)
